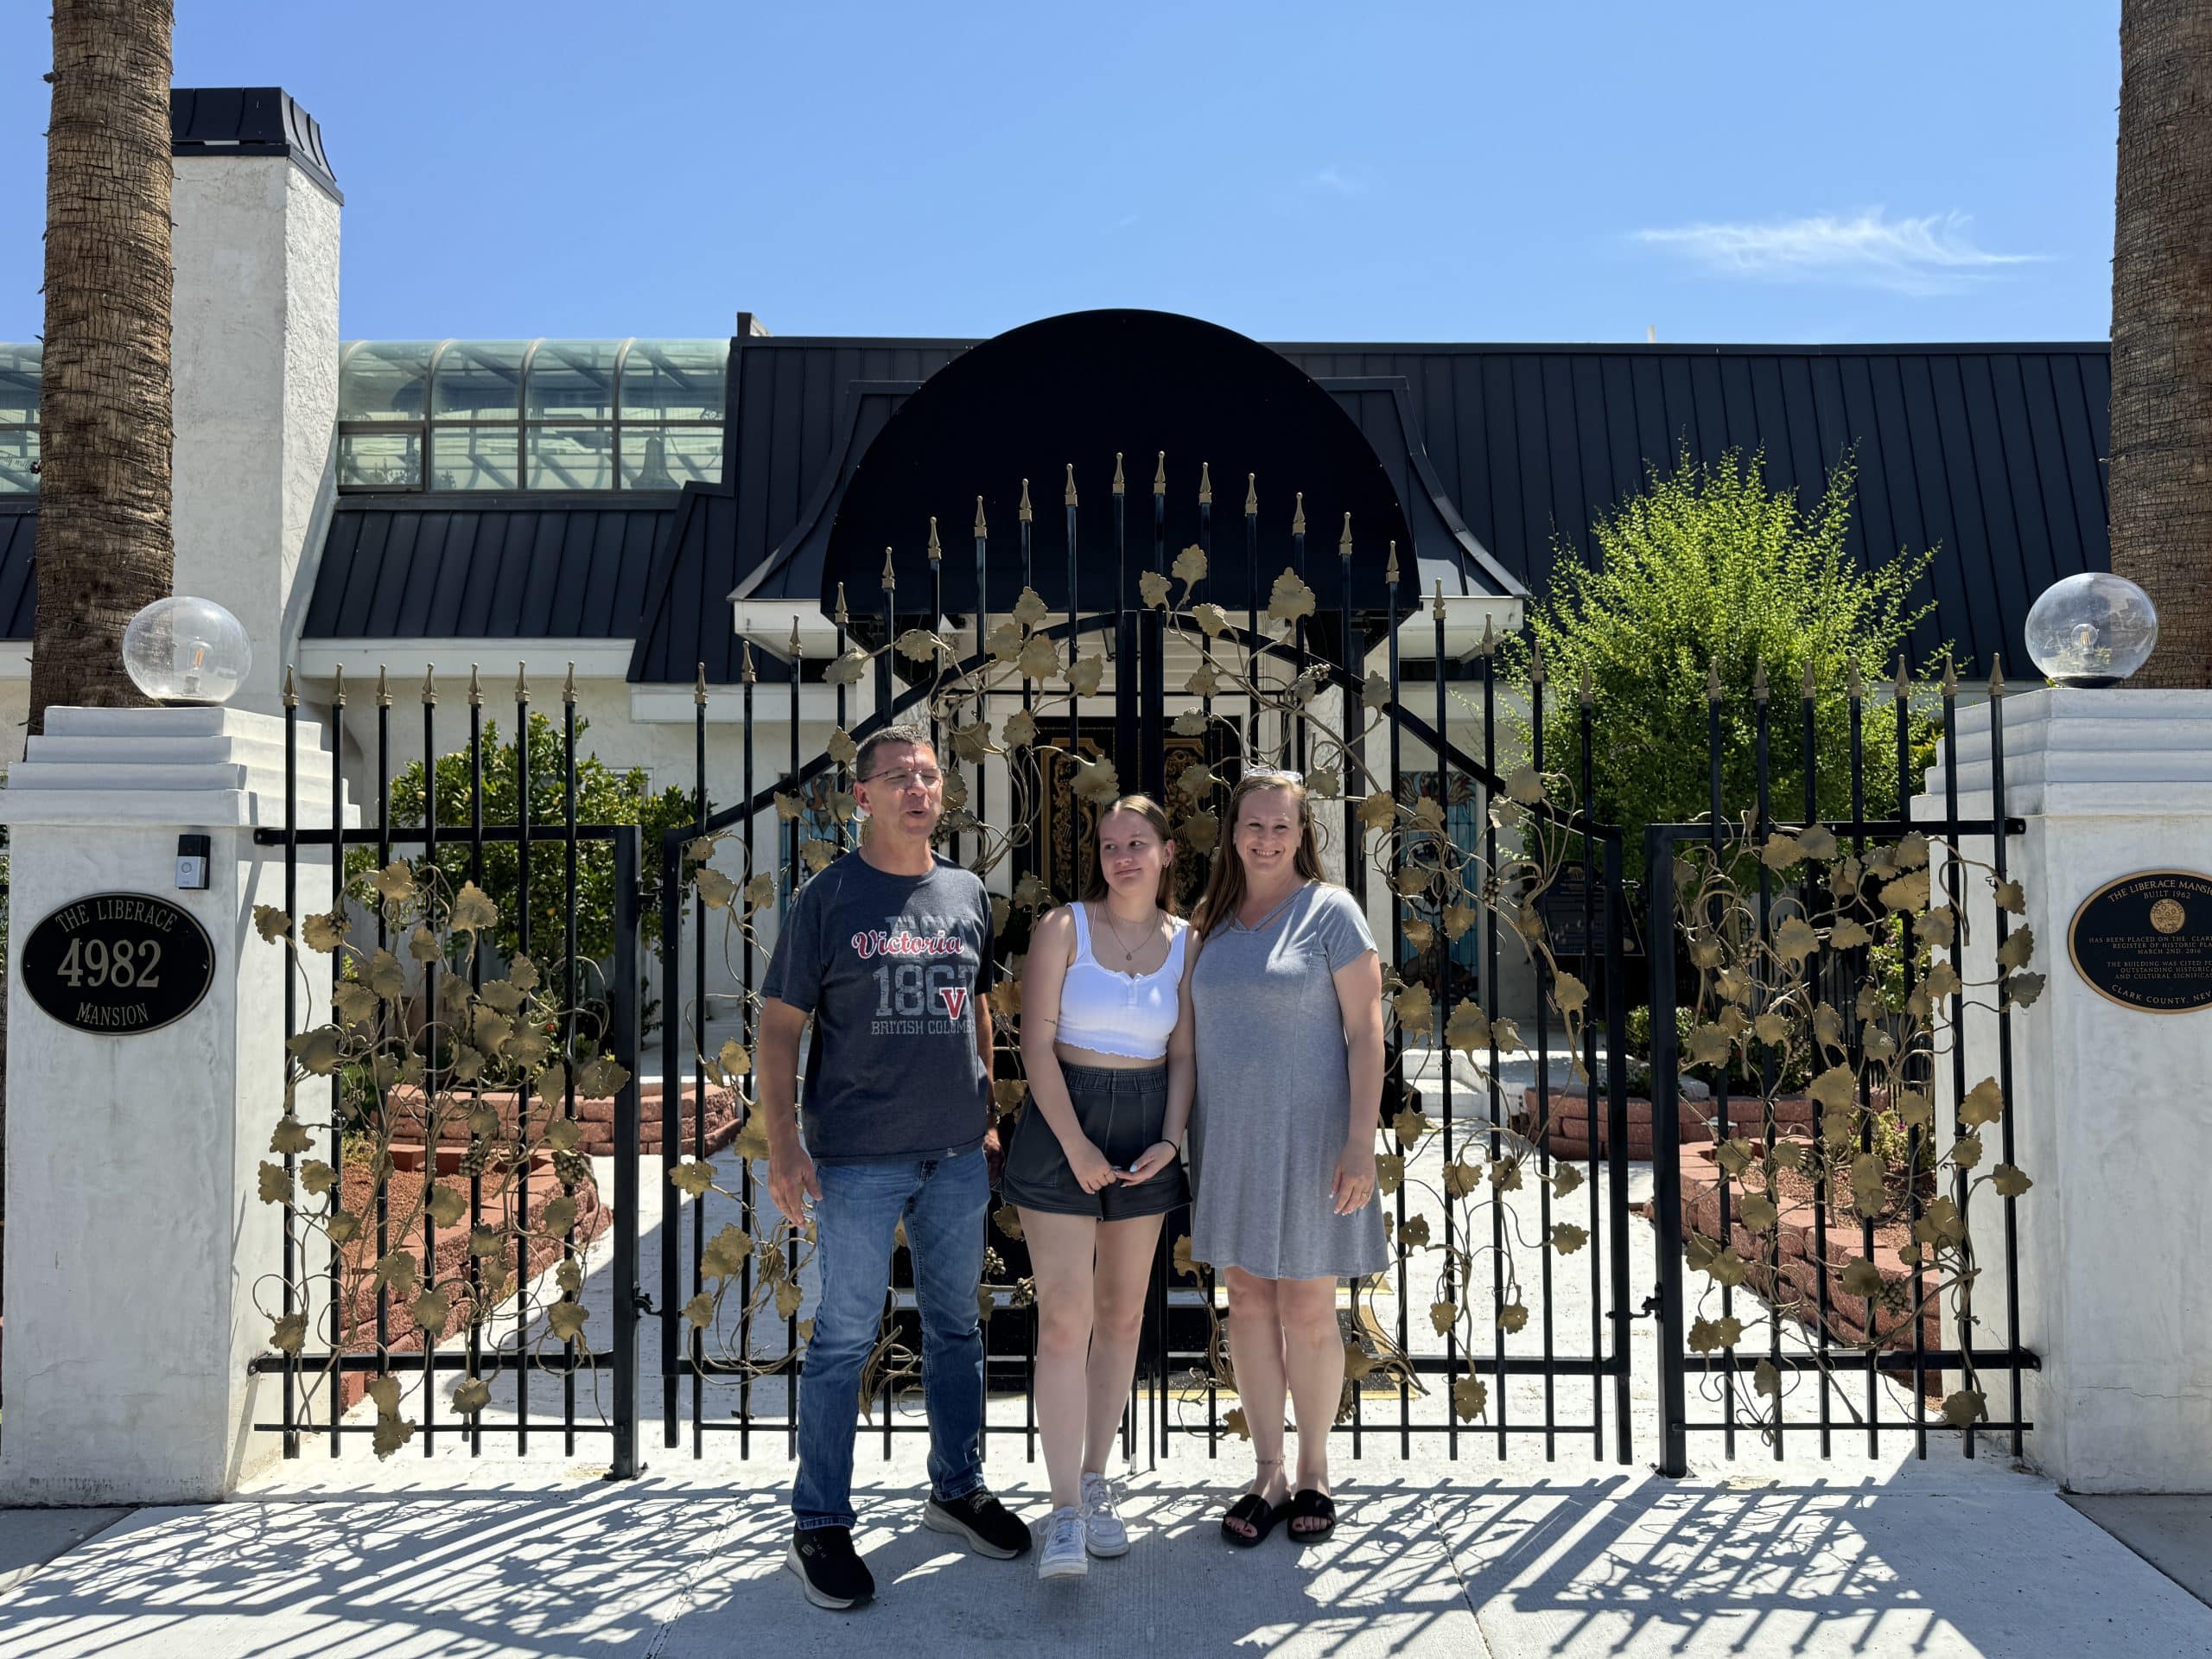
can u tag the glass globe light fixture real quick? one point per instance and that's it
(185, 650)
(2090, 630)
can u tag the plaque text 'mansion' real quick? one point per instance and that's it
(118, 963)
(2145, 941)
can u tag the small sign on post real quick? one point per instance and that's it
(116, 965)
(2145, 941)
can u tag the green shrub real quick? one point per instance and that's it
(1710, 569)
(604, 796)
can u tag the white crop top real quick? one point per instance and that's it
(1129, 1014)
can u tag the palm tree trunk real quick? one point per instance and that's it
(2161, 482)
(104, 548)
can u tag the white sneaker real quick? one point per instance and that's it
(1108, 1536)
(1064, 1556)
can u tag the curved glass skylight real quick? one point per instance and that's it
(530, 414)
(19, 376)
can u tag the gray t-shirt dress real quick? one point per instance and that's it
(1273, 1102)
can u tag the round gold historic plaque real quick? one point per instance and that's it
(2145, 941)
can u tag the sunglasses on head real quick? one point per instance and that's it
(1271, 775)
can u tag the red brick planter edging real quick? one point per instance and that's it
(1570, 1120)
(404, 1189)
(595, 1114)
(1798, 1267)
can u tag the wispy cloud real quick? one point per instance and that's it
(1929, 255)
(1334, 178)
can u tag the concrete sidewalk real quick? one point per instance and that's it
(442, 1557)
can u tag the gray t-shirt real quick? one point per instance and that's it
(890, 967)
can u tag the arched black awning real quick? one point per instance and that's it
(1078, 389)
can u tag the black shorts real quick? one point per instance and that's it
(1123, 1112)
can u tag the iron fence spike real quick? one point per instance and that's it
(936, 548)
(1344, 542)
(291, 691)
(1068, 498)
(1852, 681)
(1298, 515)
(1810, 683)
(383, 688)
(1206, 484)
(890, 581)
(699, 689)
(1950, 676)
(1537, 661)
(338, 686)
(1759, 679)
(522, 682)
(1589, 689)
(1025, 512)
(1905, 678)
(429, 688)
(1489, 634)
(841, 616)
(1251, 495)
(1997, 675)
(981, 528)
(1390, 568)
(1712, 679)
(475, 686)
(745, 672)
(568, 687)
(1159, 475)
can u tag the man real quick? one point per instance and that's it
(889, 951)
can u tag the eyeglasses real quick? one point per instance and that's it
(903, 780)
(1271, 774)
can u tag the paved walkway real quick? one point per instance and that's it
(439, 1557)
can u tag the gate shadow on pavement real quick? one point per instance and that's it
(530, 1562)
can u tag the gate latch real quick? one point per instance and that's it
(642, 1302)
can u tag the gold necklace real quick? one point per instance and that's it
(1127, 955)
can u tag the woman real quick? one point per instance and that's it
(1095, 1163)
(1286, 1008)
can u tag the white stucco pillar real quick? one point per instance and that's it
(254, 349)
(138, 1246)
(2107, 1103)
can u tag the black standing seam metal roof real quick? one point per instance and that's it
(18, 571)
(417, 567)
(1994, 453)
(1991, 454)
(787, 433)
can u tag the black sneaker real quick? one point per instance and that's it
(829, 1572)
(982, 1520)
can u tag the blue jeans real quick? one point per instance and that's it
(944, 1203)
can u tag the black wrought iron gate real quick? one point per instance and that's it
(481, 1009)
(1495, 1330)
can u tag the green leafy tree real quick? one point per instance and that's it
(1709, 569)
(604, 796)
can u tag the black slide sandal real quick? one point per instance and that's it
(1311, 1504)
(1256, 1513)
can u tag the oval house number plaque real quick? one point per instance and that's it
(118, 963)
(2145, 941)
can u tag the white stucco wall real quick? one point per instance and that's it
(2106, 1108)
(141, 1263)
(254, 349)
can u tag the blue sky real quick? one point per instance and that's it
(1780, 171)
